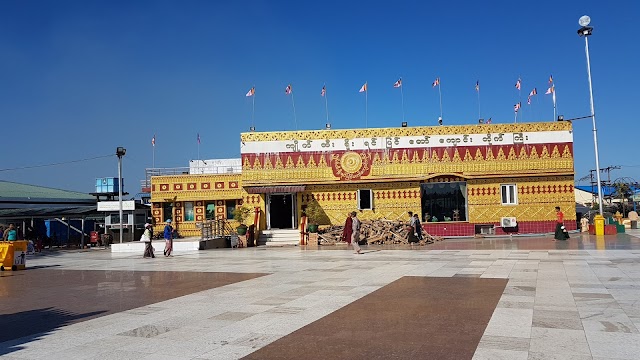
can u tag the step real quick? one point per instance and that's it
(279, 243)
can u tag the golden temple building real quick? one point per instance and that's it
(461, 180)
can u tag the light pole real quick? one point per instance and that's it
(120, 151)
(586, 31)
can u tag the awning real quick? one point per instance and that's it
(275, 189)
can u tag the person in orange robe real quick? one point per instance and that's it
(348, 230)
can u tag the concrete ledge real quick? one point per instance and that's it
(182, 245)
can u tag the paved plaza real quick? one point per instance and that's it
(502, 298)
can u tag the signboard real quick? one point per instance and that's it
(636, 197)
(115, 205)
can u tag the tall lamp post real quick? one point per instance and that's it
(586, 31)
(120, 151)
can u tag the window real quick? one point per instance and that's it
(365, 199)
(509, 194)
(167, 211)
(188, 211)
(231, 205)
(444, 201)
(210, 211)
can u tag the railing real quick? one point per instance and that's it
(213, 229)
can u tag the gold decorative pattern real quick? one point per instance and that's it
(537, 198)
(407, 131)
(391, 201)
(496, 160)
(231, 187)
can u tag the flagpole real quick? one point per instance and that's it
(153, 161)
(440, 93)
(479, 116)
(366, 105)
(295, 119)
(253, 107)
(402, 97)
(553, 93)
(326, 102)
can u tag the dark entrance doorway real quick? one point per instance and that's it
(281, 211)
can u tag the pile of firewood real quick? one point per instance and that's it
(387, 232)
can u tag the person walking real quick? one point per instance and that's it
(348, 230)
(355, 235)
(413, 235)
(168, 238)
(418, 226)
(561, 233)
(304, 231)
(10, 234)
(146, 237)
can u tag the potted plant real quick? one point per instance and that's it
(240, 214)
(314, 214)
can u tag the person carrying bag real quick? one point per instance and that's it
(146, 237)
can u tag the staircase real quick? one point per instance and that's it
(279, 237)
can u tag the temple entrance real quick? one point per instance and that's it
(280, 211)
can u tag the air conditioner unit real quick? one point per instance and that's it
(507, 222)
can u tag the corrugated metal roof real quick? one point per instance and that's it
(606, 190)
(27, 192)
(50, 212)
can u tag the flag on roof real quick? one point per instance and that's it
(516, 107)
(363, 88)
(398, 83)
(287, 90)
(436, 82)
(324, 91)
(489, 121)
(153, 140)
(518, 84)
(550, 90)
(251, 92)
(528, 100)
(478, 85)
(550, 79)
(533, 92)
(198, 138)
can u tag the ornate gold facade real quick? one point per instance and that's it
(334, 164)
(536, 199)
(199, 190)
(391, 201)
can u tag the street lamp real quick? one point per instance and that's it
(586, 31)
(120, 151)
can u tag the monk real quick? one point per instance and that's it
(303, 229)
(348, 230)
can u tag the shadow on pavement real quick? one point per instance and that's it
(27, 326)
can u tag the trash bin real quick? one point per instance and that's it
(13, 255)
(599, 224)
(634, 224)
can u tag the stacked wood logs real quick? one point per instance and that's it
(380, 232)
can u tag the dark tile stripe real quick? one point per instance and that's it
(411, 318)
(41, 300)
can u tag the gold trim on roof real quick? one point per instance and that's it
(406, 131)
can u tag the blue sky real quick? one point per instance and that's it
(79, 78)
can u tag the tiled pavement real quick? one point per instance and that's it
(574, 300)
